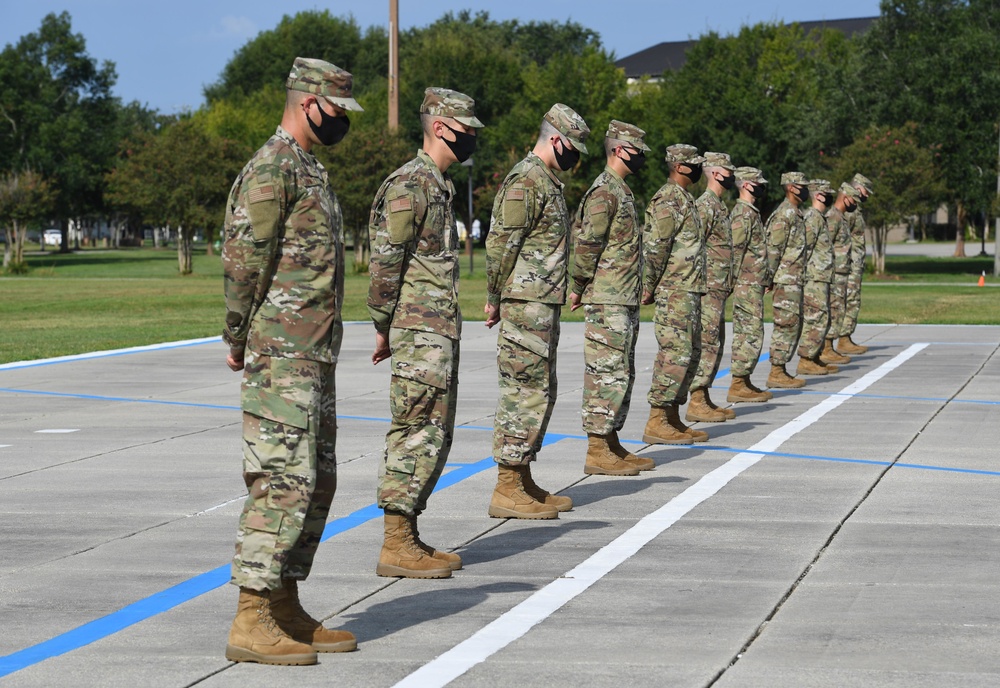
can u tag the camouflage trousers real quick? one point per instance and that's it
(423, 392)
(677, 326)
(853, 306)
(748, 327)
(838, 305)
(289, 466)
(787, 301)
(609, 335)
(713, 338)
(815, 318)
(526, 367)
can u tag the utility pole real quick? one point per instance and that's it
(996, 205)
(393, 65)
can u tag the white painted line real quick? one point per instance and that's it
(218, 506)
(57, 431)
(5, 445)
(515, 623)
(111, 352)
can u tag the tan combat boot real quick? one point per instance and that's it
(401, 557)
(511, 501)
(256, 637)
(602, 461)
(741, 390)
(641, 462)
(659, 431)
(699, 409)
(846, 345)
(453, 561)
(295, 621)
(808, 366)
(778, 377)
(673, 418)
(757, 390)
(560, 502)
(729, 413)
(830, 355)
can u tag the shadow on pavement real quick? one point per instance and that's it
(512, 541)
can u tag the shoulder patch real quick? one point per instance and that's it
(599, 208)
(515, 195)
(259, 194)
(400, 204)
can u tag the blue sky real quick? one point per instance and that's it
(166, 52)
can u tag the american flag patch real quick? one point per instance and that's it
(600, 208)
(261, 193)
(515, 195)
(400, 204)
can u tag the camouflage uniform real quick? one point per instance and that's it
(786, 247)
(283, 259)
(413, 300)
(856, 224)
(840, 234)
(751, 278)
(526, 275)
(714, 218)
(819, 275)
(673, 248)
(607, 269)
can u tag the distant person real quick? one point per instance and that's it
(856, 221)
(284, 282)
(413, 302)
(526, 257)
(477, 230)
(816, 288)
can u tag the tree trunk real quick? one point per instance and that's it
(960, 234)
(20, 233)
(8, 247)
(879, 235)
(184, 236)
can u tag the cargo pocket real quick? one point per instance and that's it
(521, 355)
(273, 427)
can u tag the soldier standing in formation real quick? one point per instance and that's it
(840, 234)
(673, 248)
(752, 279)
(819, 275)
(786, 261)
(856, 222)
(606, 278)
(721, 176)
(413, 302)
(526, 289)
(284, 284)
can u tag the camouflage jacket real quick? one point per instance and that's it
(607, 244)
(526, 246)
(673, 243)
(718, 242)
(414, 266)
(857, 225)
(283, 256)
(786, 244)
(749, 249)
(819, 247)
(840, 235)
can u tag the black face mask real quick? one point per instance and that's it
(829, 200)
(331, 130)
(635, 162)
(802, 194)
(463, 146)
(758, 191)
(729, 182)
(851, 207)
(568, 158)
(695, 174)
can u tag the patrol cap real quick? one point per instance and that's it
(862, 180)
(443, 102)
(750, 174)
(628, 133)
(719, 160)
(323, 79)
(568, 123)
(849, 191)
(794, 178)
(683, 153)
(820, 186)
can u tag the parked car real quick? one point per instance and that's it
(52, 237)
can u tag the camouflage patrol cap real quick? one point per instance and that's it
(849, 191)
(569, 124)
(750, 174)
(794, 178)
(683, 153)
(820, 186)
(719, 160)
(862, 180)
(628, 133)
(443, 102)
(323, 79)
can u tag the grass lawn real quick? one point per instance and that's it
(95, 300)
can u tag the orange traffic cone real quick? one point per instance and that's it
(982, 279)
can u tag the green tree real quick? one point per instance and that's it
(179, 178)
(25, 199)
(906, 175)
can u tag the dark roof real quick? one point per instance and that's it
(664, 57)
